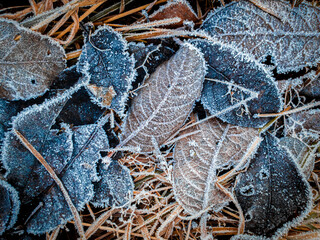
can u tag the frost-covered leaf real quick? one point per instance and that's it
(198, 157)
(115, 188)
(291, 36)
(7, 111)
(9, 206)
(272, 193)
(175, 8)
(301, 153)
(304, 125)
(163, 105)
(34, 123)
(110, 68)
(67, 78)
(312, 87)
(29, 62)
(238, 82)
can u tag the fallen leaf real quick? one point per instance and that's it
(163, 105)
(291, 36)
(9, 206)
(29, 62)
(312, 87)
(198, 158)
(106, 62)
(236, 86)
(176, 8)
(273, 193)
(115, 188)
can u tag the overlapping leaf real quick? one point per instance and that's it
(110, 68)
(163, 105)
(236, 86)
(9, 206)
(290, 35)
(29, 62)
(272, 193)
(115, 187)
(312, 88)
(198, 157)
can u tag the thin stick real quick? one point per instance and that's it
(283, 113)
(150, 24)
(54, 176)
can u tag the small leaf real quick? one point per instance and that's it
(176, 8)
(107, 63)
(29, 62)
(273, 193)
(115, 187)
(291, 36)
(163, 105)
(9, 206)
(200, 156)
(239, 83)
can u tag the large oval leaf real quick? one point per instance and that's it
(273, 193)
(290, 35)
(236, 86)
(29, 62)
(163, 105)
(198, 157)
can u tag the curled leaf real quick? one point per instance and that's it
(9, 206)
(213, 146)
(106, 62)
(291, 36)
(115, 188)
(29, 62)
(236, 86)
(163, 105)
(273, 193)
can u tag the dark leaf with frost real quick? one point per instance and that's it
(115, 187)
(301, 153)
(273, 193)
(176, 8)
(77, 179)
(291, 36)
(67, 78)
(312, 87)
(106, 62)
(304, 125)
(9, 206)
(163, 105)
(29, 62)
(198, 157)
(237, 87)
(7, 111)
(148, 58)
(79, 110)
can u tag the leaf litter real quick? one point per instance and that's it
(85, 139)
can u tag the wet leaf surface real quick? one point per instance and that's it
(291, 36)
(29, 62)
(199, 157)
(106, 62)
(236, 93)
(163, 105)
(272, 193)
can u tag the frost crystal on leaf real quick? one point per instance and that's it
(236, 82)
(115, 187)
(291, 36)
(272, 193)
(218, 145)
(29, 62)
(163, 105)
(9, 206)
(110, 68)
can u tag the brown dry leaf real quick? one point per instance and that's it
(178, 8)
(163, 105)
(29, 62)
(198, 157)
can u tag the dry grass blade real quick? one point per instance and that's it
(54, 176)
